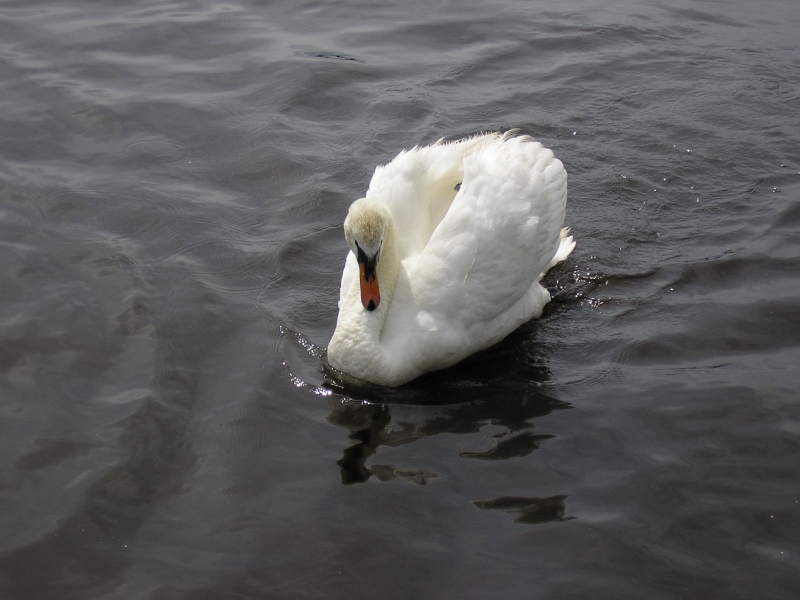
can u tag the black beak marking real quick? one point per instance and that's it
(371, 306)
(369, 266)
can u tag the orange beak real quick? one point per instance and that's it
(370, 293)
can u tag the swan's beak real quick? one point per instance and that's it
(370, 293)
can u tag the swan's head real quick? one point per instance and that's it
(365, 230)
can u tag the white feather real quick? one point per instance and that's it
(469, 257)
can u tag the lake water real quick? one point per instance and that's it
(173, 180)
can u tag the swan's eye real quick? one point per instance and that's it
(458, 187)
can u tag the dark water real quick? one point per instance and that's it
(173, 178)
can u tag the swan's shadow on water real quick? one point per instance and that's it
(507, 386)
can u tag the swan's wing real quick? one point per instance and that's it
(498, 238)
(419, 185)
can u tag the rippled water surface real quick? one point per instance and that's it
(173, 179)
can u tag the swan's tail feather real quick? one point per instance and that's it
(565, 248)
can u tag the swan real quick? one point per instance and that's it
(447, 251)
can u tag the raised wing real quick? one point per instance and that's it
(498, 237)
(418, 186)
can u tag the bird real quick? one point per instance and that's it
(447, 250)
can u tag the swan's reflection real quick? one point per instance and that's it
(461, 400)
(531, 510)
(374, 425)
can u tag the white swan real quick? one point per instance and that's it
(447, 251)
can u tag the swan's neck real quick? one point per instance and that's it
(355, 346)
